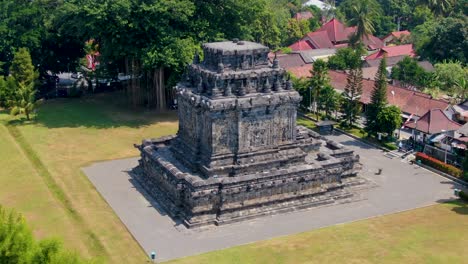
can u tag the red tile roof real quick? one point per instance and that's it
(301, 45)
(408, 101)
(337, 32)
(433, 122)
(392, 51)
(301, 71)
(399, 34)
(319, 40)
(373, 42)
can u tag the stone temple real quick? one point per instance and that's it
(238, 153)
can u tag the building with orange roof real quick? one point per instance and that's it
(396, 36)
(393, 51)
(333, 34)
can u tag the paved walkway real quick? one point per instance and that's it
(400, 187)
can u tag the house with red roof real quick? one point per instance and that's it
(396, 36)
(411, 103)
(435, 132)
(433, 122)
(393, 51)
(333, 34)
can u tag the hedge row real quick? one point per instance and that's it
(439, 165)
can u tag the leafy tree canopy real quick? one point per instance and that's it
(409, 72)
(450, 75)
(345, 58)
(17, 245)
(445, 40)
(389, 119)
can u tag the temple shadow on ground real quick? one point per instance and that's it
(142, 191)
(96, 111)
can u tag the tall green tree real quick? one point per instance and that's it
(23, 99)
(362, 17)
(351, 95)
(22, 68)
(389, 119)
(378, 98)
(329, 100)
(409, 72)
(301, 85)
(318, 80)
(346, 58)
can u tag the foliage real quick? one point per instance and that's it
(351, 96)
(399, 11)
(463, 195)
(409, 72)
(440, 7)
(329, 100)
(439, 165)
(421, 15)
(17, 244)
(363, 15)
(388, 119)
(23, 99)
(345, 59)
(389, 145)
(297, 29)
(446, 39)
(465, 166)
(378, 99)
(318, 80)
(451, 77)
(7, 90)
(302, 86)
(22, 69)
(30, 24)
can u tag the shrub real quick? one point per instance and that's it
(463, 195)
(439, 165)
(390, 145)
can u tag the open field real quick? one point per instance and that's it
(435, 234)
(67, 135)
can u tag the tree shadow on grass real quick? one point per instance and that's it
(96, 111)
(461, 207)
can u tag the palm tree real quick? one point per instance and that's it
(363, 13)
(439, 7)
(461, 86)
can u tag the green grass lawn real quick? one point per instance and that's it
(435, 234)
(66, 135)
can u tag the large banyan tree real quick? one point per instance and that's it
(153, 40)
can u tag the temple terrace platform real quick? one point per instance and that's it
(400, 187)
